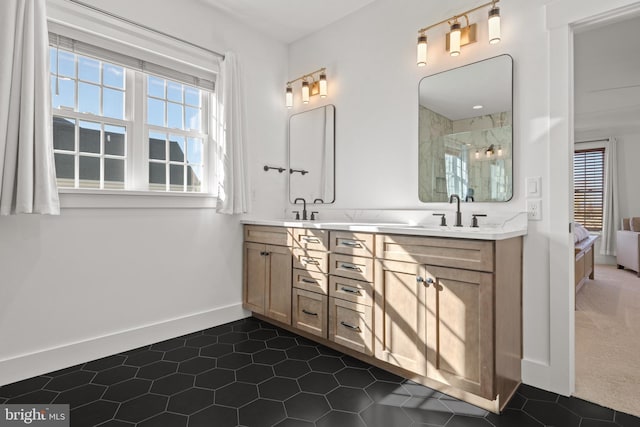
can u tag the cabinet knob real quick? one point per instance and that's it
(429, 281)
(419, 279)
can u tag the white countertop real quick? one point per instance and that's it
(478, 233)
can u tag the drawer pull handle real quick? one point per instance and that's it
(350, 291)
(350, 267)
(353, 328)
(310, 239)
(351, 243)
(310, 313)
(309, 281)
(310, 261)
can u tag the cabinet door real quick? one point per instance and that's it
(460, 319)
(255, 264)
(400, 315)
(278, 285)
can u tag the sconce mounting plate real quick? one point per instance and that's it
(468, 35)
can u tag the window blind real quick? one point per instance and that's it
(588, 182)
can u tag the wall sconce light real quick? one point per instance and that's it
(460, 36)
(488, 151)
(310, 87)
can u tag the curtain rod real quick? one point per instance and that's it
(593, 140)
(128, 21)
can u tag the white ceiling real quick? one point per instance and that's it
(287, 20)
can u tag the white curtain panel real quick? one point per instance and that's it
(231, 168)
(610, 220)
(27, 169)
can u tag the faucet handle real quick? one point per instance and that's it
(297, 214)
(313, 216)
(474, 219)
(443, 219)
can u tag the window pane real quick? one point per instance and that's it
(88, 98)
(194, 178)
(176, 148)
(89, 69)
(90, 137)
(155, 87)
(176, 177)
(89, 172)
(157, 174)
(175, 116)
(155, 112)
(193, 118)
(194, 150)
(174, 91)
(64, 133)
(52, 59)
(113, 75)
(66, 93)
(157, 148)
(113, 173)
(114, 140)
(191, 96)
(66, 64)
(113, 103)
(64, 167)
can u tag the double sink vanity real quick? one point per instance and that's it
(437, 305)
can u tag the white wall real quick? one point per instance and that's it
(93, 282)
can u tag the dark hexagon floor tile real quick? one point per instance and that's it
(587, 422)
(626, 420)
(23, 387)
(180, 354)
(536, 393)
(459, 407)
(382, 375)
(236, 394)
(586, 409)
(383, 415)
(172, 384)
(550, 413)
(389, 394)
(307, 406)
(234, 361)
(326, 364)
(517, 401)
(115, 375)
(250, 346)
(165, 419)
(218, 416)
(326, 351)
(427, 411)
(136, 350)
(94, 413)
(197, 365)
(157, 370)
(354, 363)
(218, 330)
(64, 371)
(418, 390)
(168, 345)
(284, 333)
(349, 399)
(104, 363)
(190, 401)
(302, 352)
(143, 358)
(142, 407)
(292, 422)
(233, 337)
(201, 341)
(254, 374)
(318, 382)
(263, 334)
(354, 377)
(81, 395)
(278, 388)
(216, 350)
(38, 396)
(215, 378)
(269, 356)
(513, 418)
(281, 343)
(247, 325)
(306, 342)
(117, 423)
(467, 421)
(291, 368)
(69, 381)
(126, 390)
(261, 413)
(340, 419)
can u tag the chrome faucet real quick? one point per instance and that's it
(304, 207)
(458, 213)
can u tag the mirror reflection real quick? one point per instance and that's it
(311, 155)
(465, 137)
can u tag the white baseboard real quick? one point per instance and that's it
(52, 359)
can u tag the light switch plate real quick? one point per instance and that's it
(534, 187)
(534, 210)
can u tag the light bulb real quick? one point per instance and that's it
(289, 97)
(454, 39)
(477, 154)
(305, 92)
(499, 151)
(422, 50)
(494, 25)
(323, 85)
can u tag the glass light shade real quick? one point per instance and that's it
(422, 50)
(494, 25)
(305, 92)
(454, 40)
(499, 151)
(323, 85)
(477, 154)
(289, 97)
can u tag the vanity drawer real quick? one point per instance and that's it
(346, 242)
(310, 281)
(355, 291)
(353, 267)
(310, 312)
(306, 238)
(447, 252)
(280, 236)
(310, 260)
(351, 325)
